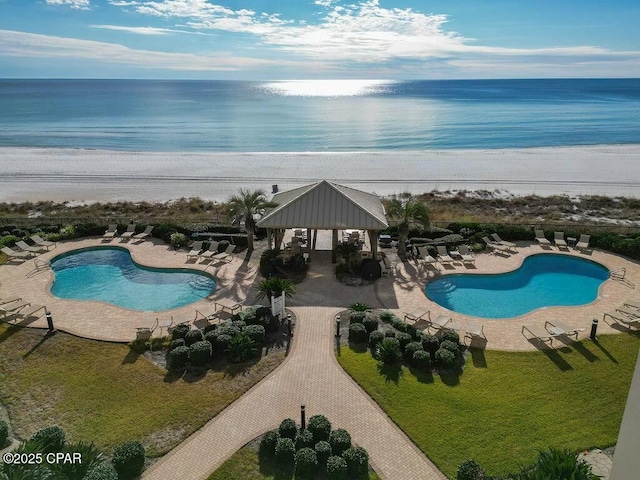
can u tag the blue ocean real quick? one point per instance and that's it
(300, 116)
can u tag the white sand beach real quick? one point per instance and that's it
(31, 174)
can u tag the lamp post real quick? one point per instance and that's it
(47, 314)
(338, 326)
(289, 328)
(303, 422)
(594, 329)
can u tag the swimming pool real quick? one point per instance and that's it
(109, 274)
(542, 280)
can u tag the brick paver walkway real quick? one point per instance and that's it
(309, 376)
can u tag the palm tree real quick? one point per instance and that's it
(274, 287)
(410, 212)
(246, 205)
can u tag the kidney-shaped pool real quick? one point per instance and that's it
(109, 274)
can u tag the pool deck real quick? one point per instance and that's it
(402, 292)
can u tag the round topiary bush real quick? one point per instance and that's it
(320, 428)
(357, 317)
(357, 460)
(404, 339)
(430, 343)
(51, 439)
(200, 353)
(178, 342)
(288, 429)
(339, 440)
(268, 443)
(421, 359)
(178, 240)
(180, 331)
(390, 334)
(285, 452)
(4, 434)
(304, 439)
(470, 470)
(306, 463)
(388, 351)
(375, 338)
(222, 343)
(323, 452)
(445, 358)
(240, 324)
(452, 336)
(336, 468)
(386, 316)
(449, 345)
(104, 471)
(228, 329)
(370, 323)
(256, 332)
(179, 357)
(411, 348)
(399, 325)
(193, 336)
(128, 460)
(357, 333)
(211, 337)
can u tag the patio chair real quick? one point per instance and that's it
(495, 246)
(142, 331)
(628, 311)
(226, 256)
(474, 330)
(13, 255)
(423, 254)
(131, 229)
(465, 254)
(620, 317)
(27, 248)
(442, 321)
(5, 300)
(30, 312)
(111, 232)
(211, 251)
(443, 255)
(632, 303)
(38, 240)
(539, 333)
(558, 240)
(583, 243)
(562, 328)
(385, 270)
(416, 315)
(12, 308)
(497, 239)
(541, 239)
(195, 249)
(145, 234)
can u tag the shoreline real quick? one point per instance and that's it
(65, 174)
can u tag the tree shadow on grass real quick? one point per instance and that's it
(391, 372)
(358, 347)
(450, 378)
(269, 468)
(423, 376)
(232, 370)
(174, 375)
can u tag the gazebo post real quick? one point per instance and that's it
(269, 238)
(373, 238)
(310, 246)
(315, 237)
(334, 245)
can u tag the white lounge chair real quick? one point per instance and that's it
(145, 234)
(474, 330)
(558, 240)
(111, 232)
(497, 239)
(443, 255)
(495, 246)
(465, 254)
(13, 255)
(632, 303)
(416, 315)
(27, 248)
(620, 317)
(583, 243)
(440, 322)
(560, 328)
(12, 308)
(131, 229)
(6, 300)
(195, 249)
(539, 333)
(31, 311)
(423, 255)
(541, 239)
(226, 256)
(38, 240)
(213, 249)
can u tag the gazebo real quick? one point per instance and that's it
(325, 206)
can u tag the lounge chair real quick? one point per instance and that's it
(195, 249)
(385, 270)
(213, 249)
(423, 254)
(440, 322)
(621, 318)
(12, 308)
(147, 331)
(539, 333)
(145, 234)
(416, 315)
(443, 255)
(541, 239)
(558, 240)
(30, 312)
(495, 245)
(38, 240)
(474, 330)
(111, 232)
(629, 311)
(497, 239)
(131, 229)
(13, 255)
(6, 300)
(560, 328)
(166, 324)
(465, 254)
(226, 256)
(633, 304)
(27, 248)
(583, 243)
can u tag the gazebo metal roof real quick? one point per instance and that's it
(326, 206)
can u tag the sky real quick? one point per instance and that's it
(319, 39)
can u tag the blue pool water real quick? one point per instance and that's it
(110, 275)
(542, 281)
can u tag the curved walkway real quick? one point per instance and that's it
(310, 376)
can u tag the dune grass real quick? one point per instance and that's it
(108, 394)
(506, 406)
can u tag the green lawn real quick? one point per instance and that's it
(103, 392)
(506, 406)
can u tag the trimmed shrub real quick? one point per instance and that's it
(421, 359)
(339, 440)
(375, 338)
(304, 439)
(452, 336)
(470, 470)
(256, 332)
(388, 351)
(51, 439)
(430, 343)
(239, 324)
(193, 336)
(128, 459)
(4, 434)
(241, 348)
(449, 345)
(211, 337)
(323, 452)
(411, 348)
(357, 333)
(357, 317)
(357, 460)
(306, 463)
(288, 429)
(285, 452)
(179, 357)
(445, 358)
(399, 325)
(180, 331)
(390, 334)
(370, 323)
(386, 316)
(336, 468)
(103, 471)
(222, 343)
(178, 342)
(178, 240)
(359, 307)
(200, 353)
(404, 339)
(228, 329)
(268, 443)
(320, 427)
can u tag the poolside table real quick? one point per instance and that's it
(230, 305)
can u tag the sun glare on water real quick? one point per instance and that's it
(327, 88)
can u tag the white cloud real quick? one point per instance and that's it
(76, 4)
(146, 30)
